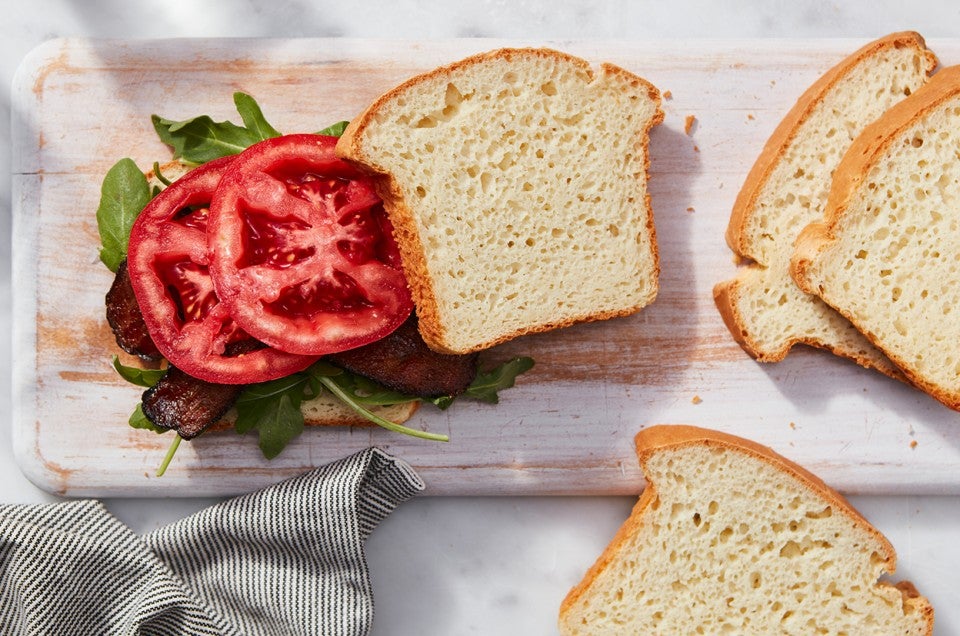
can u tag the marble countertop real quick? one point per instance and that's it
(458, 565)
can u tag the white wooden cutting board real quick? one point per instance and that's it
(567, 428)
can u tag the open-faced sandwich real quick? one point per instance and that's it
(285, 276)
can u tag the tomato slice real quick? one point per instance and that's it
(167, 259)
(302, 253)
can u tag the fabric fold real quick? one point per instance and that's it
(286, 560)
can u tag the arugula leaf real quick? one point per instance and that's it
(336, 130)
(139, 420)
(174, 445)
(274, 412)
(334, 388)
(159, 175)
(253, 117)
(200, 139)
(486, 385)
(123, 195)
(360, 389)
(136, 375)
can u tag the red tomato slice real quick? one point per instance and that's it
(302, 252)
(167, 259)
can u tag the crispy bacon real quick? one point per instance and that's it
(126, 320)
(187, 405)
(402, 362)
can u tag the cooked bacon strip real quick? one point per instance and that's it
(125, 319)
(403, 362)
(187, 405)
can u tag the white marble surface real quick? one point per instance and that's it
(488, 565)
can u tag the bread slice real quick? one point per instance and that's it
(888, 254)
(787, 188)
(731, 538)
(516, 184)
(327, 410)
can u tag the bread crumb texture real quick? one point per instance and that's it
(893, 264)
(522, 178)
(788, 189)
(732, 544)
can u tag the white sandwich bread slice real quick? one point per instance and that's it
(787, 189)
(729, 537)
(887, 256)
(516, 182)
(328, 410)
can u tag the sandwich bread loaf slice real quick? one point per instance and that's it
(729, 537)
(516, 182)
(327, 410)
(787, 188)
(887, 256)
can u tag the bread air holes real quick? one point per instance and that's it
(826, 513)
(725, 534)
(901, 327)
(486, 179)
(452, 100)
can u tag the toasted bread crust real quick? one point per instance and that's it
(864, 153)
(350, 148)
(651, 440)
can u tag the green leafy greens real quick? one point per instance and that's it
(123, 195)
(336, 130)
(271, 409)
(200, 139)
(136, 375)
(138, 419)
(486, 386)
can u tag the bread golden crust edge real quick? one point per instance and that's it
(663, 436)
(865, 151)
(349, 148)
(726, 294)
(785, 132)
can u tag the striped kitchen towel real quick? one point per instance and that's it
(286, 560)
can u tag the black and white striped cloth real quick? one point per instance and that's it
(286, 560)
